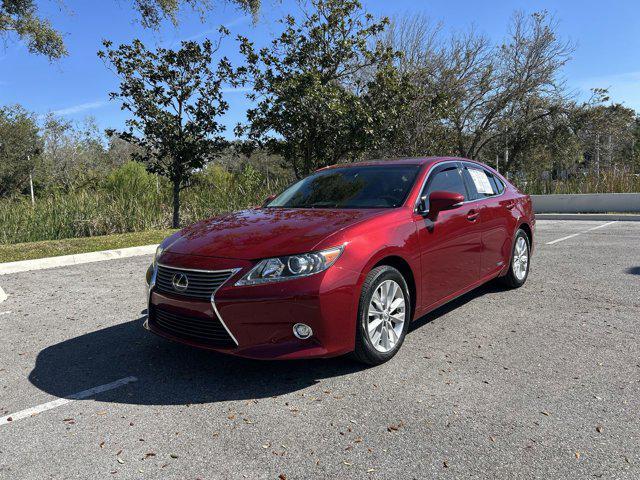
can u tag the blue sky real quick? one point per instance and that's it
(605, 33)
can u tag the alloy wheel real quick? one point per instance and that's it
(386, 316)
(520, 259)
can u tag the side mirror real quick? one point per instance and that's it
(268, 200)
(422, 205)
(441, 200)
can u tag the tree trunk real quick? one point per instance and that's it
(176, 202)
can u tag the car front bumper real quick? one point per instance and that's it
(259, 318)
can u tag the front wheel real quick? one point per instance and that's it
(384, 314)
(519, 267)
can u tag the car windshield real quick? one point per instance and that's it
(379, 186)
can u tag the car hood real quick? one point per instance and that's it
(268, 232)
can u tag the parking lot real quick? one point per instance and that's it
(540, 382)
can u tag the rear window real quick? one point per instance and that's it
(483, 183)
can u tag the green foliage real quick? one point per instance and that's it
(152, 12)
(131, 200)
(325, 87)
(20, 17)
(175, 97)
(131, 176)
(607, 182)
(19, 146)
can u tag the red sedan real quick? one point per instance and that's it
(342, 261)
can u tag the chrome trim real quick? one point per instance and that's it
(232, 272)
(152, 283)
(460, 162)
(196, 269)
(213, 303)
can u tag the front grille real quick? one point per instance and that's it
(208, 331)
(200, 284)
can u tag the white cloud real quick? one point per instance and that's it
(82, 107)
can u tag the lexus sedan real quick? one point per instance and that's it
(341, 261)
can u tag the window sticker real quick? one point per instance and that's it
(481, 181)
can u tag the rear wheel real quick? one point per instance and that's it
(383, 315)
(519, 267)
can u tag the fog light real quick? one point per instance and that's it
(302, 331)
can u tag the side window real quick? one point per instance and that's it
(498, 183)
(482, 183)
(448, 179)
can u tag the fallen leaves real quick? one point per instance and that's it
(599, 428)
(395, 428)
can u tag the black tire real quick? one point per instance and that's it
(510, 280)
(364, 351)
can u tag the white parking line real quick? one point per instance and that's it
(30, 412)
(580, 233)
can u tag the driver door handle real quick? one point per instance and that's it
(472, 215)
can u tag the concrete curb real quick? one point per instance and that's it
(65, 260)
(621, 217)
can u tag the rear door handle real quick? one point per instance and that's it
(472, 216)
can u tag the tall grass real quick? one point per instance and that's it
(129, 200)
(132, 200)
(607, 182)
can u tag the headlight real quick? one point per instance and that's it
(292, 266)
(159, 251)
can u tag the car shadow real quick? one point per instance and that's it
(633, 270)
(487, 288)
(170, 373)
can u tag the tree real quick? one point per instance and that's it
(326, 88)
(20, 144)
(175, 97)
(21, 18)
(422, 131)
(470, 91)
(73, 156)
(487, 85)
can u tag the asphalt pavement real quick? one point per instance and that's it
(541, 382)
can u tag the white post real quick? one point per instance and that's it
(33, 197)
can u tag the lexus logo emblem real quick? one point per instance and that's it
(180, 282)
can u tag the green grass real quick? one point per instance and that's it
(54, 248)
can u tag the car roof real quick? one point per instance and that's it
(398, 161)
